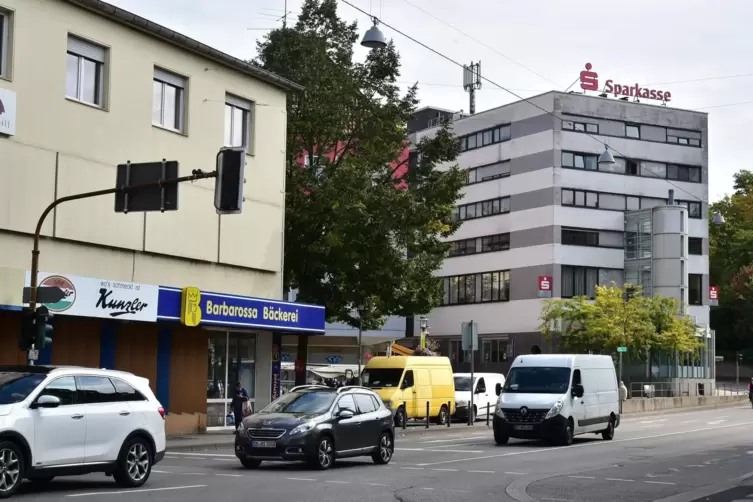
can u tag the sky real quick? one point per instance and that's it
(697, 49)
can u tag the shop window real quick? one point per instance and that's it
(695, 288)
(494, 351)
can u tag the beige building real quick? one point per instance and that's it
(86, 86)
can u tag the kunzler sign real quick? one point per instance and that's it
(589, 81)
(103, 298)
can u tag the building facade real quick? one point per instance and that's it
(85, 86)
(540, 217)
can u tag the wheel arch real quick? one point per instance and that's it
(22, 443)
(139, 433)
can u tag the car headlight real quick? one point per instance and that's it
(498, 411)
(556, 408)
(462, 403)
(241, 428)
(388, 404)
(305, 427)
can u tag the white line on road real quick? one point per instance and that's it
(689, 421)
(437, 451)
(161, 472)
(338, 482)
(229, 475)
(413, 468)
(659, 483)
(653, 421)
(376, 484)
(585, 445)
(582, 477)
(620, 479)
(446, 470)
(465, 438)
(715, 422)
(191, 473)
(516, 473)
(483, 472)
(301, 479)
(428, 489)
(147, 490)
(457, 491)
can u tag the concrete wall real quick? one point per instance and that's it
(671, 403)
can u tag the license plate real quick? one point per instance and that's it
(264, 444)
(523, 427)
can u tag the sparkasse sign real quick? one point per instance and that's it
(589, 81)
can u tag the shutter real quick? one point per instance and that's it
(169, 78)
(86, 49)
(239, 102)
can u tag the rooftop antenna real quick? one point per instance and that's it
(472, 82)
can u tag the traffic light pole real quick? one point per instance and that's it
(197, 174)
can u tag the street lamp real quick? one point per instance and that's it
(606, 157)
(360, 346)
(718, 219)
(424, 324)
(374, 38)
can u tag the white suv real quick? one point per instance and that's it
(61, 421)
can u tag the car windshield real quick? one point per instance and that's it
(463, 384)
(307, 403)
(538, 380)
(384, 377)
(16, 386)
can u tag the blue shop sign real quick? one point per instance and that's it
(193, 308)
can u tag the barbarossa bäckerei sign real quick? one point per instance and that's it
(193, 307)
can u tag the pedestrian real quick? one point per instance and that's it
(240, 404)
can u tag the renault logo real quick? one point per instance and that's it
(524, 411)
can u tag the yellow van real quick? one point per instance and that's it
(407, 383)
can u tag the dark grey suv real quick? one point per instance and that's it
(318, 424)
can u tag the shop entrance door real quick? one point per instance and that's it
(231, 359)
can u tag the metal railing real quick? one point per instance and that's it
(639, 390)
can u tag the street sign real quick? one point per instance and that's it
(45, 294)
(621, 349)
(154, 198)
(33, 355)
(469, 334)
(545, 286)
(713, 296)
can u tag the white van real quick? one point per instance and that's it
(484, 385)
(557, 396)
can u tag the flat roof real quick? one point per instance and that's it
(144, 25)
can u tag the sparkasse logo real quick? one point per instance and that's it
(2, 107)
(589, 81)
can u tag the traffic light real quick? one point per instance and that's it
(27, 335)
(43, 328)
(228, 187)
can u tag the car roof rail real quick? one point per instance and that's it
(301, 387)
(349, 387)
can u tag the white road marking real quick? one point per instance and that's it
(225, 459)
(301, 479)
(229, 475)
(457, 491)
(173, 453)
(376, 484)
(619, 479)
(191, 473)
(147, 490)
(339, 482)
(410, 449)
(436, 450)
(446, 470)
(483, 472)
(715, 422)
(516, 473)
(694, 465)
(582, 477)
(689, 421)
(428, 489)
(659, 483)
(585, 445)
(413, 468)
(653, 421)
(161, 472)
(466, 438)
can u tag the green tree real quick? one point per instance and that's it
(355, 236)
(617, 319)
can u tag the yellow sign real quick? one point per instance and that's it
(190, 310)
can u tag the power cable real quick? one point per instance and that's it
(521, 98)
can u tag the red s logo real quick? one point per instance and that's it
(589, 80)
(2, 108)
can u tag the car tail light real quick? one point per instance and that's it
(161, 411)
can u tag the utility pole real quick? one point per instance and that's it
(472, 82)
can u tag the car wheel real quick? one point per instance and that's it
(134, 465)
(400, 417)
(11, 468)
(444, 415)
(324, 456)
(473, 413)
(250, 463)
(567, 434)
(385, 450)
(608, 433)
(500, 439)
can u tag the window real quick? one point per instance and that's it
(462, 289)
(653, 169)
(482, 208)
(695, 245)
(457, 354)
(580, 161)
(494, 351)
(499, 242)
(694, 208)
(464, 247)
(683, 138)
(694, 289)
(612, 201)
(238, 122)
(582, 281)
(64, 389)
(365, 404)
(168, 100)
(632, 203)
(580, 126)
(346, 403)
(633, 131)
(84, 73)
(126, 392)
(684, 173)
(5, 24)
(579, 238)
(631, 168)
(15, 386)
(484, 138)
(408, 380)
(96, 389)
(495, 286)
(579, 198)
(487, 173)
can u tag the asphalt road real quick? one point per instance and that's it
(677, 457)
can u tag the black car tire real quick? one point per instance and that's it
(250, 463)
(135, 463)
(444, 415)
(324, 455)
(608, 433)
(385, 449)
(400, 417)
(566, 435)
(500, 439)
(12, 468)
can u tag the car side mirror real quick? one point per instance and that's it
(47, 401)
(404, 385)
(345, 414)
(578, 390)
(498, 389)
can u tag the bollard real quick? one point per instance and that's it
(427, 414)
(405, 416)
(487, 414)
(449, 408)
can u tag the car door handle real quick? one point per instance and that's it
(125, 413)
(77, 417)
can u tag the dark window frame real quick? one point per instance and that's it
(577, 123)
(636, 126)
(461, 211)
(695, 244)
(474, 170)
(695, 297)
(462, 281)
(635, 164)
(496, 137)
(670, 138)
(585, 277)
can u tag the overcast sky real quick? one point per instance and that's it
(665, 42)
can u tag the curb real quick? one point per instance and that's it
(707, 491)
